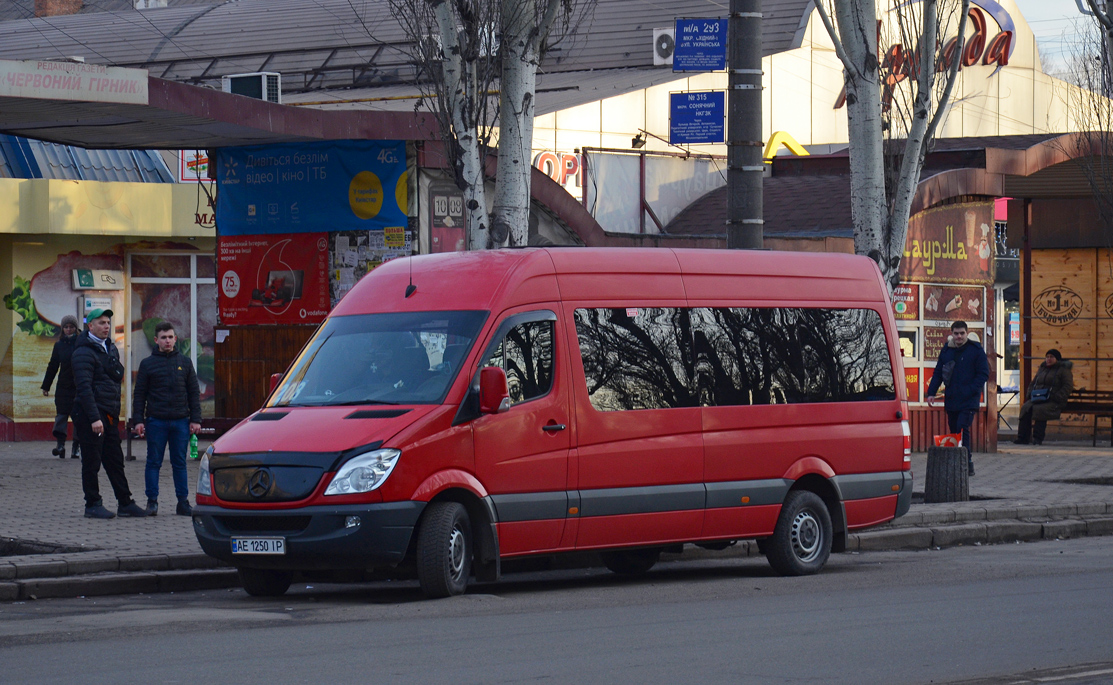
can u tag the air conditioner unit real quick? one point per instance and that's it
(261, 85)
(664, 42)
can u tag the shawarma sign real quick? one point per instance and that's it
(951, 244)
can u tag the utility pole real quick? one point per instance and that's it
(744, 163)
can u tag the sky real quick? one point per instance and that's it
(1053, 22)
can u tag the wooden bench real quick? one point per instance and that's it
(211, 429)
(1097, 403)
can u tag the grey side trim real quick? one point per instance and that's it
(652, 499)
(904, 497)
(867, 485)
(730, 493)
(531, 506)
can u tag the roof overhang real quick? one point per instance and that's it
(179, 116)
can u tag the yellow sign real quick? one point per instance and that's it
(395, 236)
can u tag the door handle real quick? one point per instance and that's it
(554, 427)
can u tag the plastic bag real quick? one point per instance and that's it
(949, 440)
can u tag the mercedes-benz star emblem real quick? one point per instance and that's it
(260, 482)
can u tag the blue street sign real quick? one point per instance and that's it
(701, 45)
(696, 118)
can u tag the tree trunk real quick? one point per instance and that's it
(519, 45)
(461, 91)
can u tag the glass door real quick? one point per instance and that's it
(180, 288)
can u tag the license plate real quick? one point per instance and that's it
(258, 545)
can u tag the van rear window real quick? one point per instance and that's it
(656, 358)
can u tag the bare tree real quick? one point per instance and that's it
(1099, 10)
(874, 101)
(467, 51)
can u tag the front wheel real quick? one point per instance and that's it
(260, 582)
(801, 541)
(444, 550)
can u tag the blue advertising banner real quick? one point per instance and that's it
(701, 45)
(311, 187)
(698, 117)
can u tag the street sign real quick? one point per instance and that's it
(701, 45)
(698, 117)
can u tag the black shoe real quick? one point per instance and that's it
(131, 509)
(183, 508)
(971, 468)
(76, 452)
(98, 512)
(152, 507)
(59, 451)
(1037, 442)
(1020, 442)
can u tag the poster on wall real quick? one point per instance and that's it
(912, 384)
(353, 254)
(446, 218)
(951, 303)
(312, 187)
(950, 244)
(273, 279)
(906, 302)
(193, 166)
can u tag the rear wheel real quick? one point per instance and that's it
(444, 550)
(631, 562)
(260, 582)
(801, 542)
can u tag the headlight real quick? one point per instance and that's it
(363, 473)
(204, 483)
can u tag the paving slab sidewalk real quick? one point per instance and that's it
(48, 548)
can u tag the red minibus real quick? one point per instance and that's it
(456, 410)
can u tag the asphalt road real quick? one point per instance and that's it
(902, 617)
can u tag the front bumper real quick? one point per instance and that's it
(316, 537)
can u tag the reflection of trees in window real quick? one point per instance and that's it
(637, 358)
(772, 356)
(526, 354)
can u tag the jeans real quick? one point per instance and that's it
(159, 433)
(960, 422)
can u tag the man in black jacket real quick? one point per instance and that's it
(97, 373)
(166, 407)
(63, 396)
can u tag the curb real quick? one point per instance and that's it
(917, 531)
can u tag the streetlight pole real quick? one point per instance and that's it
(744, 145)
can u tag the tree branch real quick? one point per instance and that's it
(839, 49)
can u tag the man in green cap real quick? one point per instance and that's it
(97, 373)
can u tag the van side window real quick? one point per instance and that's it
(526, 354)
(637, 357)
(791, 355)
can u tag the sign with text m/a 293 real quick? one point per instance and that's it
(696, 118)
(701, 45)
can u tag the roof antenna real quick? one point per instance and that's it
(411, 288)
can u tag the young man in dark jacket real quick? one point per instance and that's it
(166, 407)
(63, 395)
(97, 373)
(962, 367)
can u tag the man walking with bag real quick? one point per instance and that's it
(97, 373)
(166, 407)
(63, 395)
(962, 367)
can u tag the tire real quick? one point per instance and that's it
(260, 582)
(801, 541)
(948, 475)
(632, 562)
(444, 550)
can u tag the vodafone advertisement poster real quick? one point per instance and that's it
(273, 279)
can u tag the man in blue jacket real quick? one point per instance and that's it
(962, 367)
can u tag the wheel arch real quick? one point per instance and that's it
(481, 513)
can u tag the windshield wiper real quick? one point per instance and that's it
(354, 402)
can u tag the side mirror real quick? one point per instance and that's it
(494, 393)
(276, 378)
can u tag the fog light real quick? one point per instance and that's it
(351, 522)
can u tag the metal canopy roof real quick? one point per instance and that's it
(181, 116)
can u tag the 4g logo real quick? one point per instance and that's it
(387, 156)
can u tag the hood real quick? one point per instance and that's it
(318, 429)
(1065, 363)
(83, 340)
(971, 340)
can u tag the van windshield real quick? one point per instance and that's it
(401, 358)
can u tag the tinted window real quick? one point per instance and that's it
(526, 354)
(790, 355)
(637, 358)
